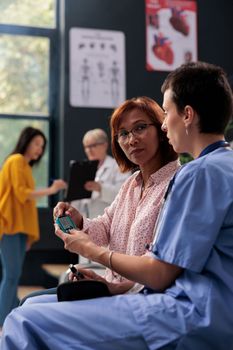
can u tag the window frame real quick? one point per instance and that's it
(52, 34)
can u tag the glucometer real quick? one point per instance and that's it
(65, 223)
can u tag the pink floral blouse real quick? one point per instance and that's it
(128, 223)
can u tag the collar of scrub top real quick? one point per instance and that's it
(210, 148)
(213, 146)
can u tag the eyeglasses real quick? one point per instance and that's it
(138, 130)
(93, 145)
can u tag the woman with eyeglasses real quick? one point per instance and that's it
(138, 145)
(108, 179)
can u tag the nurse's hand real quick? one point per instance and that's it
(114, 288)
(87, 273)
(64, 208)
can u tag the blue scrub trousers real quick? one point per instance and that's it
(80, 325)
(12, 249)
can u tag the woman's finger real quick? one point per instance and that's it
(59, 232)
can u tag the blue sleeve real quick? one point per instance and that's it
(192, 217)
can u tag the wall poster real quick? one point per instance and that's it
(171, 33)
(97, 68)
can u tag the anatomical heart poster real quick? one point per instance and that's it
(171, 33)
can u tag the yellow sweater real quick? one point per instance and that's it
(18, 213)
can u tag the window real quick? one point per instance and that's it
(39, 13)
(24, 74)
(28, 69)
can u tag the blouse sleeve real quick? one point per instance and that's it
(192, 217)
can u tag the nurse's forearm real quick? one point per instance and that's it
(142, 269)
(145, 269)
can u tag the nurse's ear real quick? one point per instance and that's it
(189, 116)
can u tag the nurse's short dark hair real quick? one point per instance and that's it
(205, 88)
(156, 115)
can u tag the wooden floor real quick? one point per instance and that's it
(55, 270)
(25, 290)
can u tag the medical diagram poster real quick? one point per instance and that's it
(171, 33)
(97, 68)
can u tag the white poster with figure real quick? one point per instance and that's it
(97, 68)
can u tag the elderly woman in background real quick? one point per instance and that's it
(108, 179)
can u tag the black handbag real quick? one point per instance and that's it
(82, 289)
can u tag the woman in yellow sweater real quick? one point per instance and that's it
(19, 226)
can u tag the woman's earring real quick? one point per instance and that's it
(186, 131)
(163, 127)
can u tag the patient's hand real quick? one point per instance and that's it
(64, 208)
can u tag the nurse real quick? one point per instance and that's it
(187, 301)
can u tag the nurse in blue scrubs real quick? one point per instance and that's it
(187, 302)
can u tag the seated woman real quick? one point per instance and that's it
(128, 223)
(108, 179)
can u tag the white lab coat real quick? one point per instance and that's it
(111, 179)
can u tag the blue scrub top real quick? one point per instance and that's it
(195, 233)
